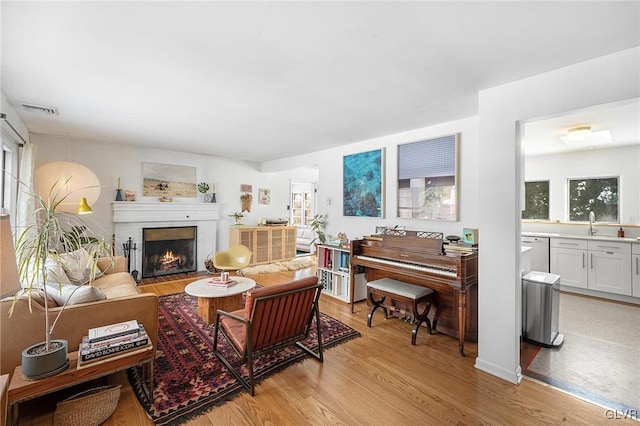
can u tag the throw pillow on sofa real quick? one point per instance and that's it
(76, 265)
(54, 270)
(74, 294)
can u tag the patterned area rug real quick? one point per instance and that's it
(188, 377)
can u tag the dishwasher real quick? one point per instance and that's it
(539, 252)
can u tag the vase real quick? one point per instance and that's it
(38, 365)
(207, 198)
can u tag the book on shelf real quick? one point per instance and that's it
(89, 354)
(113, 330)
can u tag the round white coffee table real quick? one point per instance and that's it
(211, 298)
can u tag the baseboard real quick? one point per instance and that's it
(514, 377)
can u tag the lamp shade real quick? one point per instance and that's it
(8, 265)
(72, 180)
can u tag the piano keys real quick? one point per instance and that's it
(418, 258)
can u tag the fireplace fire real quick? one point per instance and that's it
(168, 251)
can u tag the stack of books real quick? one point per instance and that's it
(115, 339)
(461, 246)
(218, 282)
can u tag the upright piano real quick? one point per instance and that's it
(420, 258)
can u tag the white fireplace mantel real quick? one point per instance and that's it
(129, 218)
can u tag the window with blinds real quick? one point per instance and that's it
(427, 177)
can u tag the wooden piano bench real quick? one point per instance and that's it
(404, 294)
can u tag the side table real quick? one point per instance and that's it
(21, 390)
(4, 382)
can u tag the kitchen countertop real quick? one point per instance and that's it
(582, 237)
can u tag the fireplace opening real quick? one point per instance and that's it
(167, 251)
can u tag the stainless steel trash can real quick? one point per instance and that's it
(540, 309)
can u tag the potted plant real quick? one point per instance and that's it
(318, 223)
(203, 188)
(237, 217)
(55, 235)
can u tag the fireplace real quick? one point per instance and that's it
(169, 250)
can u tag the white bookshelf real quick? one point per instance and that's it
(333, 272)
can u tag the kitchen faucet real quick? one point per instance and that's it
(592, 218)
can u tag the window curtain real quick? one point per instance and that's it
(25, 215)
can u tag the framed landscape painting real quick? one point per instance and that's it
(168, 180)
(362, 184)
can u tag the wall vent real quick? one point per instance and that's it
(27, 106)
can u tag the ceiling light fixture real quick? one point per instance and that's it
(579, 133)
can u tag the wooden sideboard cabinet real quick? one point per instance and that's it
(268, 243)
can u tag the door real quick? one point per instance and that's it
(302, 206)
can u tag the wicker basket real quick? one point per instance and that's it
(89, 408)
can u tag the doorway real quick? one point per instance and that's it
(549, 159)
(302, 203)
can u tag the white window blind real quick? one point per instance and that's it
(429, 158)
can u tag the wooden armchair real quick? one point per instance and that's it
(273, 317)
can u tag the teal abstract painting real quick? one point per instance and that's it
(362, 184)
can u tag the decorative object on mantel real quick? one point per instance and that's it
(245, 201)
(118, 191)
(203, 188)
(129, 195)
(237, 217)
(213, 193)
(165, 199)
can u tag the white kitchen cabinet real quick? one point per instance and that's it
(569, 260)
(610, 267)
(595, 265)
(635, 270)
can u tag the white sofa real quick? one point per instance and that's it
(304, 236)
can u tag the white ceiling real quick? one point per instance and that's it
(621, 119)
(266, 80)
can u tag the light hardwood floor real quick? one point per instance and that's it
(378, 379)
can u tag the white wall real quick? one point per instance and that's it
(110, 161)
(329, 163)
(557, 168)
(602, 80)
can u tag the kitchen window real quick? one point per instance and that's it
(536, 199)
(598, 195)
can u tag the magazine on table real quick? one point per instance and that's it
(218, 282)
